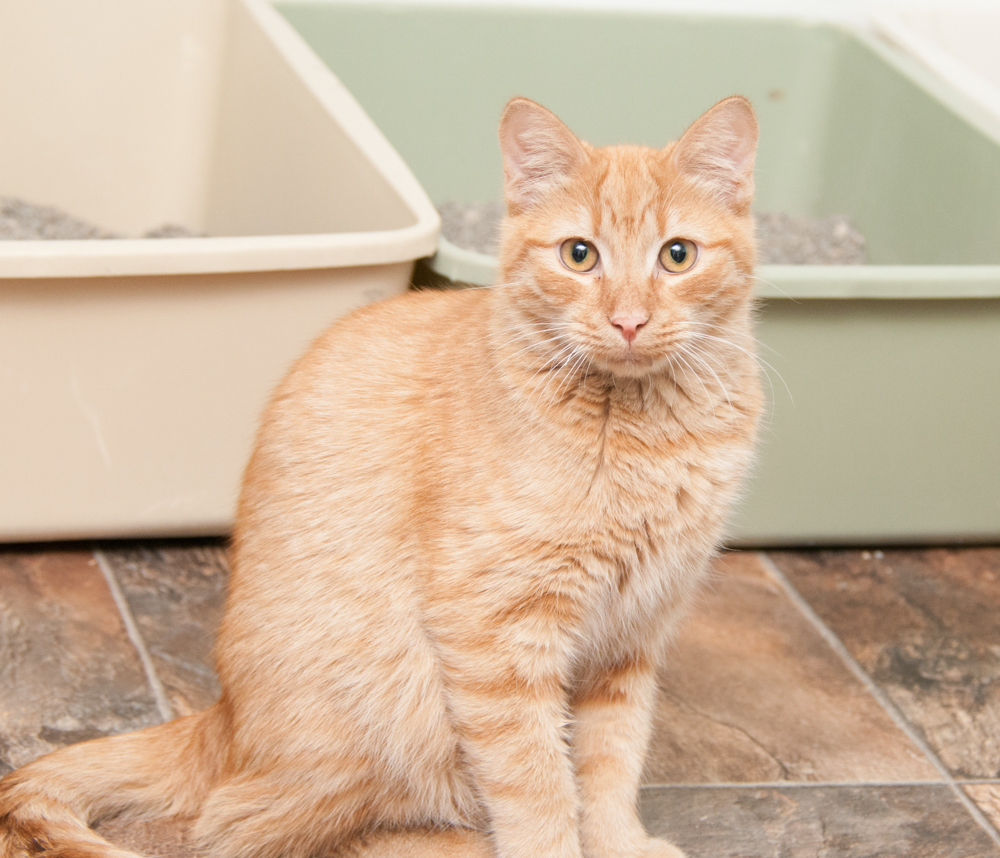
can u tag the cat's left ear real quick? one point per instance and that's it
(718, 151)
(539, 151)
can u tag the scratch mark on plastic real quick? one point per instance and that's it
(92, 417)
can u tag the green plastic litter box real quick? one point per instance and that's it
(884, 424)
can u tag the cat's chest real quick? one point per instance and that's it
(648, 501)
(636, 472)
(647, 523)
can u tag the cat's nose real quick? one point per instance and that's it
(629, 324)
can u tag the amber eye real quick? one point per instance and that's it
(578, 255)
(678, 255)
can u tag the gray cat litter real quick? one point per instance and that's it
(473, 226)
(172, 230)
(781, 239)
(24, 221)
(786, 240)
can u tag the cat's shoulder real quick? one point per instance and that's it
(397, 330)
(412, 311)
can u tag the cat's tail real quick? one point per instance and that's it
(47, 806)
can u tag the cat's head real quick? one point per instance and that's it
(628, 252)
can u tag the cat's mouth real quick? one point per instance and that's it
(631, 361)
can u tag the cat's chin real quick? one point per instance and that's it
(633, 365)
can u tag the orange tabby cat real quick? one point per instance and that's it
(471, 521)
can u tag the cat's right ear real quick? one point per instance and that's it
(539, 152)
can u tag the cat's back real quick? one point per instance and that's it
(369, 394)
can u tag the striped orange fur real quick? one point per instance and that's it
(470, 523)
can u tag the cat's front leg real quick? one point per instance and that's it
(510, 709)
(613, 715)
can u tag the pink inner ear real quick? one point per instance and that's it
(539, 152)
(718, 151)
(744, 145)
(515, 134)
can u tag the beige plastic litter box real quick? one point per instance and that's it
(133, 372)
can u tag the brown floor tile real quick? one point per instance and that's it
(176, 593)
(987, 797)
(68, 670)
(902, 821)
(753, 694)
(912, 821)
(925, 626)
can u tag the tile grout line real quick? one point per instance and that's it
(883, 699)
(796, 785)
(159, 694)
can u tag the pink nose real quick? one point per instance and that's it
(629, 324)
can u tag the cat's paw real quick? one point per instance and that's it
(642, 846)
(656, 848)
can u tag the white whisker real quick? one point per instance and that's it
(570, 351)
(773, 286)
(573, 373)
(689, 350)
(763, 364)
(690, 370)
(533, 343)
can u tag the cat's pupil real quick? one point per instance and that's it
(678, 252)
(579, 252)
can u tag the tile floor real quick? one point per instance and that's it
(843, 704)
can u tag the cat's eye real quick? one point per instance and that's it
(678, 255)
(578, 255)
